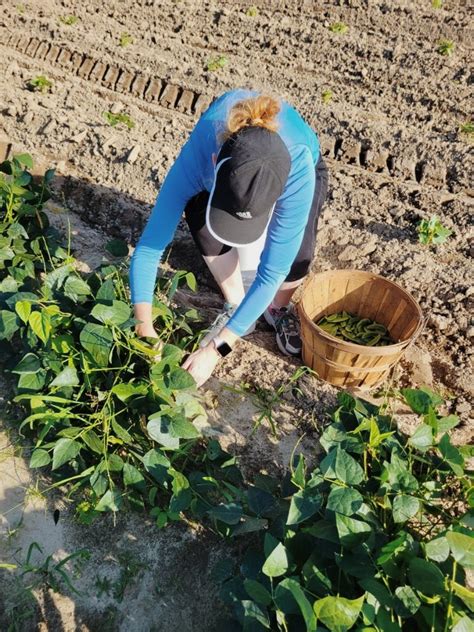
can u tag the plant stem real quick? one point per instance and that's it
(339, 574)
(449, 612)
(9, 213)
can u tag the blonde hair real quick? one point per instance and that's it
(258, 111)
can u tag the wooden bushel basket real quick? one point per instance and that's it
(369, 296)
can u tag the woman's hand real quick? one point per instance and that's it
(145, 330)
(202, 363)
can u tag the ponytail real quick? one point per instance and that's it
(259, 111)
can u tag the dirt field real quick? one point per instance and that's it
(389, 125)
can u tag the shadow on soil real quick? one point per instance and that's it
(128, 574)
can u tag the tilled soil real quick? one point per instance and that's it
(389, 128)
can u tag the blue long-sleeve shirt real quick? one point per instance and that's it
(193, 171)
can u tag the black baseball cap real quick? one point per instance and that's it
(251, 172)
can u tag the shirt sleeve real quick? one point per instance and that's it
(284, 237)
(178, 187)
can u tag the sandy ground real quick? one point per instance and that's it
(391, 135)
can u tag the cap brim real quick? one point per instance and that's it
(232, 231)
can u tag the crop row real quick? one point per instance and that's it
(113, 77)
(360, 153)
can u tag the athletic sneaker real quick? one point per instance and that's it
(219, 322)
(286, 324)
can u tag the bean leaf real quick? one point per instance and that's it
(24, 159)
(338, 464)
(261, 502)
(230, 513)
(23, 309)
(65, 450)
(116, 313)
(180, 379)
(437, 549)
(409, 601)
(422, 438)
(352, 532)
(426, 577)
(305, 606)
(132, 476)
(97, 340)
(344, 500)
(337, 613)
(30, 363)
(110, 501)
(106, 292)
(39, 458)
(304, 504)
(157, 465)
(462, 548)
(67, 377)
(451, 455)
(421, 400)
(277, 562)
(9, 324)
(405, 507)
(76, 288)
(258, 592)
(40, 323)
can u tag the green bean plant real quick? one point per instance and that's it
(326, 96)
(467, 129)
(216, 63)
(111, 414)
(377, 538)
(432, 232)
(125, 39)
(338, 27)
(119, 118)
(40, 83)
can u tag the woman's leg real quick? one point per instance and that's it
(226, 271)
(222, 260)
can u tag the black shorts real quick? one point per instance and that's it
(209, 246)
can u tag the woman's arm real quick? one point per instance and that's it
(176, 190)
